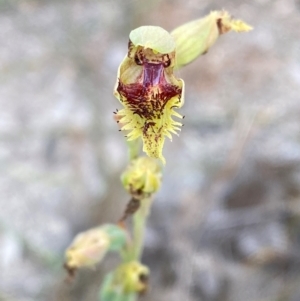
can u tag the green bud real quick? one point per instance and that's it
(142, 177)
(196, 37)
(133, 276)
(125, 282)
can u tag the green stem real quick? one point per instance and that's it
(140, 217)
(134, 149)
(139, 224)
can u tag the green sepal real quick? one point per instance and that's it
(117, 236)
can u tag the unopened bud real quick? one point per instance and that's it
(125, 282)
(142, 177)
(196, 37)
(133, 276)
(88, 248)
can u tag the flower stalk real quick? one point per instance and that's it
(139, 225)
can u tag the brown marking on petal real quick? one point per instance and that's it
(166, 60)
(130, 49)
(146, 127)
(219, 24)
(158, 134)
(137, 60)
(222, 27)
(147, 102)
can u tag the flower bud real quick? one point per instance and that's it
(133, 277)
(196, 37)
(88, 248)
(142, 177)
(125, 282)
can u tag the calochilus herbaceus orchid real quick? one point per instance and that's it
(151, 96)
(146, 85)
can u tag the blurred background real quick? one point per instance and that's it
(225, 225)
